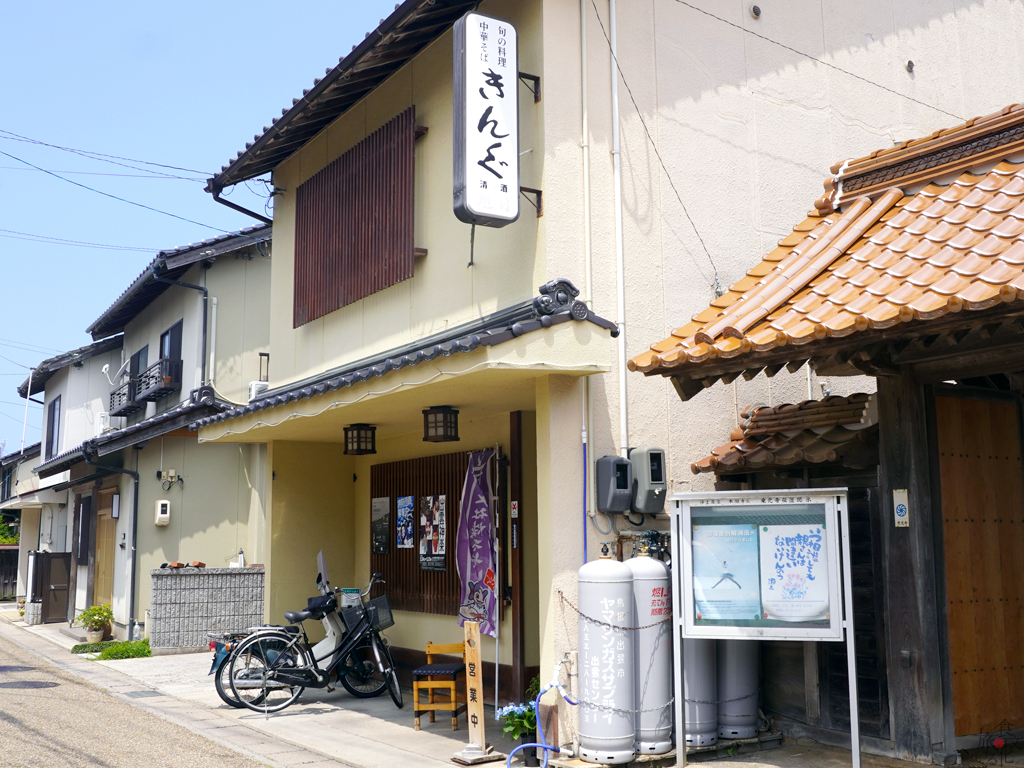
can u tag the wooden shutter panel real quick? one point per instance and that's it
(354, 223)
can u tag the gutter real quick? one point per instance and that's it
(135, 522)
(216, 190)
(206, 299)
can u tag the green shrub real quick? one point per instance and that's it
(130, 649)
(92, 647)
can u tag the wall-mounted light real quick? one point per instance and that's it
(440, 424)
(360, 439)
(115, 506)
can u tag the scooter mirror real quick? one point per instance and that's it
(378, 577)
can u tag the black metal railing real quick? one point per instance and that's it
(159, 380)
(123, 401)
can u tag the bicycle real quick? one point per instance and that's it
(279, 663)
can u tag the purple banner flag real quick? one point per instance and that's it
(474, 546)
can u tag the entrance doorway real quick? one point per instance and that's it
(979, 455)
(103, 583)
(55, 575)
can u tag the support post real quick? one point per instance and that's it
(477, 751)
(851, 639)
(908, 557)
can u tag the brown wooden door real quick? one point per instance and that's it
(56, 574)
(983, 532)
(103, 584)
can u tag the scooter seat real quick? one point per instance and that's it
(297, 617)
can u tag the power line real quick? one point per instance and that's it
(20, 405)
(120, 175)
(717, 284)
(97, 155)
(28, 367)
(36, 346)
(815, 58)
(114, 197)
(19, 421)
(15, 235)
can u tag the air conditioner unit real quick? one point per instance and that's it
(257, 388)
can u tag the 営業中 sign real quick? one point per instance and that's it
(486, 121)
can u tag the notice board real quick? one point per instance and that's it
(761, 565)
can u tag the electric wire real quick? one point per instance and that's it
(15, 235)
(28, 367)
(717, 285)
(19, 421)
(11, 135)
(820, 61)
(34, 346)
(20, 405)
(114, 197)
(148, 175)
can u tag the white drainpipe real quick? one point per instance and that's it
(213, 339)
(620, 268)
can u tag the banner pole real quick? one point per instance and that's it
(851, 650)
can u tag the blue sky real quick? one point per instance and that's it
(185, 84)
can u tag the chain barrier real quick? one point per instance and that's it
(583, 616)
(606, 708)
(724, 701)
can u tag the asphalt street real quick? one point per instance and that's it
(52, 719)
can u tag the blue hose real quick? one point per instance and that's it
(541, 744)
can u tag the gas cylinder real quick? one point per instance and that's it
(652, 653)
(737, 688)
(607, 729)
(700, 687)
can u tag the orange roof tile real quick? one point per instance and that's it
(847, 272)
(814, 431)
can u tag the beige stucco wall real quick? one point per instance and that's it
(216, 511)
(443, 292)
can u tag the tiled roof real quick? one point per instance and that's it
(62, 461)
(27, 452)
(835, 429)
(899, 259)
(413, 26)
(981, 140)
(172, 263)
(556, 304)
(45, 370)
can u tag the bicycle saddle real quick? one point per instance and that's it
(297, 617)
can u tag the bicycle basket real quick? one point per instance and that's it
(380, 614)
(379, 610)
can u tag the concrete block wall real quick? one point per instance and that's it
(189, 602)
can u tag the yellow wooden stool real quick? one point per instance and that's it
(440, 678)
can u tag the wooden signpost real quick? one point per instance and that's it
(477, 751)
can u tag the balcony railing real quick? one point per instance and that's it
(123, 401)
(159, 380)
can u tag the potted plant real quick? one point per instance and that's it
(96, 620)
(521, 722)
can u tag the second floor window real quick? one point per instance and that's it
(170, 343)
(53, 428)
(139, 363)
(354, 223)
(7, 482)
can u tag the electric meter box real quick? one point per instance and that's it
(650, 480)
(613, 484)
(163, 512)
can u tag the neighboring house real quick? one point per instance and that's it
(194, 327)
(660, 171)
(909, 269)
(19, 498)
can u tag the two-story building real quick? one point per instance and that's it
(192, 334)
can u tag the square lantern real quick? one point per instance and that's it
(440, 424)
(360, 439)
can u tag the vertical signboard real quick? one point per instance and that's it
(901, 507)
(486, 121)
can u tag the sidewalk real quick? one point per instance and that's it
(322, 729)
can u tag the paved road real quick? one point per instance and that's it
(62, 721)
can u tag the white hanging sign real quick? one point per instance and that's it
(901, 507)
(486, 114)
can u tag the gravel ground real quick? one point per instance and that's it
(64, 722)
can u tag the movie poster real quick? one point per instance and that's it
(380, 526)
(406, 522)
(433, 533)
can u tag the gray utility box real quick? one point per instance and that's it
(650, 481)
(613, 484)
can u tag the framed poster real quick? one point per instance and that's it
(433, 533)
(406, 522)
(380, 526)
(759, 564)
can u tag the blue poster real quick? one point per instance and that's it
(406, 522)
(726, 583)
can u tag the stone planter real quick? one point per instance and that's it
(93, 635)
(33, 613)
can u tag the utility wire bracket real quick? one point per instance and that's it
(533, 83)
(538, 201)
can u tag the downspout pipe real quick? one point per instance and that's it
(620, 268)
(240, 209)
(206, 301)
(135, 524)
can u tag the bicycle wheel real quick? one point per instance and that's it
(222, 682)
(390, 674)
(359, 675)
(257, 665)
